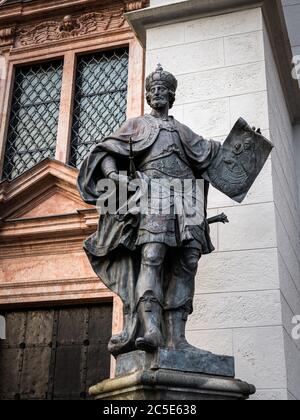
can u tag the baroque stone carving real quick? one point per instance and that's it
(7, 36)
(71, 27)
(130, 5)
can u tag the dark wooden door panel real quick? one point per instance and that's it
(68, 374)
(100, 324)
(72, 326)
(15, 328)
(39, 327)
(35, 373)
(55, 353)
(9, 373)
(98, 365)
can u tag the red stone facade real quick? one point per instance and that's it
(43, 221)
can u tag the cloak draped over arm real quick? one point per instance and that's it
(200, 152)
(89, 175)
(116, 145)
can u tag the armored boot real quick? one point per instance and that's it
(175, 321)
(150, 313)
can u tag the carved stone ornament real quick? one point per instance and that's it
(71, 27)
(132, 5)
(7, 36)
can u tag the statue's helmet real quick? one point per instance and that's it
(159, 76)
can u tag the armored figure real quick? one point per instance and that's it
(150, 259)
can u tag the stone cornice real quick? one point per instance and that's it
(49, 233)
(192, 9)
(60, 226)
(34, 24)
(35, 185)
(15, 13)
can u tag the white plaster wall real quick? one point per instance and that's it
(297, 156)
(220, 65)
(292, 15)
(286, 198)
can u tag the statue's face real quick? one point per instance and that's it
(68, 23)
(159, 96)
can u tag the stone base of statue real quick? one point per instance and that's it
(173, 375)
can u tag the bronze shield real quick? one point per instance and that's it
(239, 161)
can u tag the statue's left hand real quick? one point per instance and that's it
(224, 218)
(256, 130)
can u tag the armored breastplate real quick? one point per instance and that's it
(167, 156)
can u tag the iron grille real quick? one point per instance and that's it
(100, 100)
(34, 117)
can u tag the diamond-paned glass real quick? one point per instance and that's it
(100, 100)
(34, 116)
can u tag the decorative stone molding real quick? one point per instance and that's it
(48, 234)
(38, 248)
(132, 5)
(27, 12)
(26, 230)
(97, 22)
(7, 36)
(20, 196)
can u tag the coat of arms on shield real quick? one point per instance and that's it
(239, 162)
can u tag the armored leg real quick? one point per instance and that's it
(149, 297)
(179, 297)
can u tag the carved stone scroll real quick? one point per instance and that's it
(132, 5)
(7, 36)
(70, 27)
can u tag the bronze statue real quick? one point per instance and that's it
(150, 260)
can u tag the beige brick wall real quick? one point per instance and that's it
(286, 198)
(297, 154)
(220, 63)
(292, 14)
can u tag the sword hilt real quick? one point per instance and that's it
(132, 169)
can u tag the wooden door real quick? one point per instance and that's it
(55, 354)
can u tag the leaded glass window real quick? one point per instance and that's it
(34, 116)
(100, 100)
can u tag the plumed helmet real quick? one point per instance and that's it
(163, 77)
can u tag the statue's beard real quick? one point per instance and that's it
(158, 104)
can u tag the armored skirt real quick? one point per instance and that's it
(174, 201)
(164, 151)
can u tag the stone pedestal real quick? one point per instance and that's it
(173, 375)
